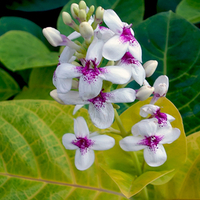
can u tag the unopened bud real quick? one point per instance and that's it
(150, 67)
(54, 95)
(82, 15)
(68, 21)
(74, 10)
(86, 30)
(99, 14)
(53, 36)
(90, 12)
(82, 5)
(144, 92)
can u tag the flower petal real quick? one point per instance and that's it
(116, 74)
(71, 97)
(114, 48)
(148, 109)
(74, 35)
(155, 158)
(161, 85)
(63, 85)
(169, 134)
(102, 142)
(66, 55)
(101, 115)
(67, 141)
(85, 160)
(170, 118)
(112, 20)
(138, 73)
(89, 89)
(94, 51)
(130, 143)
(67, 70)
(136, 50)
(80, 127)
(123, 95)
(76, 108)
(146, 127)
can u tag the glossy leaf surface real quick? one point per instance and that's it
(190, 10)
(26, 51)
(8, 86)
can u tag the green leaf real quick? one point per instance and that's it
(190, 10)
(163, 5)
(33, 162)
(175, 44)
(185, 184)
(133, 12)
(125, 174)
(8, 86)
(21, 50)
(35, 5)
(18, 23)
(40, 84)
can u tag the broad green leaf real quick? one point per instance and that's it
(190, 10)
(8, 86)
(185, 184)
(132, 12)
(21, 50)
(33, 162)
(18, 23)
(40, 84)
(163, 5)
(128, 179)
(35, 5)
(175, 44)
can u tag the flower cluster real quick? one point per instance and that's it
(109, 57)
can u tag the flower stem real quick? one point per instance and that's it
(120, 125)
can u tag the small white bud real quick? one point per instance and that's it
(86, 30)
(82, 15)
(144, 92)
(150, 67)
(82, 5)
(74, 10)
(99, 14)
(53, 36)
(66, 18)
(54, 95)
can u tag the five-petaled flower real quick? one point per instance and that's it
(149, 136)
(84, 143)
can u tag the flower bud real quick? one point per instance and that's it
(54, 95)
(82, 5)
(150, 67)
(82, 15)
(68, 21)
(99, 14)
(53, 36)
(86, 30)
(144, 92)
(90, 12)
(74, 10)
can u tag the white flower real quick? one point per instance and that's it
(161, 86)
(91, 76)
(148, 136)
(163, 118)
(84, 143)
(122, 41)
(136, 69)
(100, 107)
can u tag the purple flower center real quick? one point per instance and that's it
(151, 141)
(129, 59)
(161, 117)
(83, 143)
(126, 35)
(99, 100)
(90, 71)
